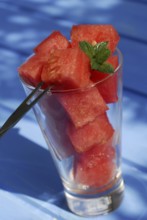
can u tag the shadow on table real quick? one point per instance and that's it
(27, 168)
(135, 197)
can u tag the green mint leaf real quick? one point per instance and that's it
(98, 55)
(106, 68)
(94, 64)
(87, 48)
(101, 45)
(102, 53)
(102, 56)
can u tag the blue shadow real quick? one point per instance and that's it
(27, 168)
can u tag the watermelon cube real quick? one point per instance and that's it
(66, 69)
(30, 71)
(96, 167)
(107, 84)
(98, 131)
(54, 41)
(83, 106)
(55, 121)
(95, 33)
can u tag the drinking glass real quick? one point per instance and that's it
(82, 128)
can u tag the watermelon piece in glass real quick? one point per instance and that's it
(95, 167)
(94, 33)
(55, 121)
(55, 40)
(98, 131)
(66, 69)
(83, 106)
(107, 83)
(31, 69)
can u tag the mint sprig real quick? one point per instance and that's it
(98, 55)
(87, 48)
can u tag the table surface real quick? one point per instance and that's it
(30, 188)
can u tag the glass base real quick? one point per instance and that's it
(91, 205)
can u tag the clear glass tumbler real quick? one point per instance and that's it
(82, 129)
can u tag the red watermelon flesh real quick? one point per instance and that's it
(84, 106)
(98, 131)
(108, 87)
(55, 121)
(31, 70)
(95, 167)
(54, 41)
(95, 33)
(66, 69)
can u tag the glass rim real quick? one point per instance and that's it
(120, 56)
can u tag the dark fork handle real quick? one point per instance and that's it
(22, 109)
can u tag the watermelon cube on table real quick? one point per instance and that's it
(99, 131)
(96, 167)
(66, 69)
(83, 106)
(95, 33)
(107, 84)
(55, 40)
